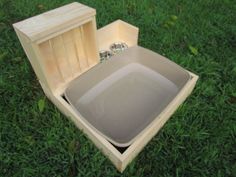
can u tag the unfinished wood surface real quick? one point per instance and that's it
(69, 54)
(33, 58)
(90, 43)
(50, 22)
(62, 44)
(117, 31)
(65, 44)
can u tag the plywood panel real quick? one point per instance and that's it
(58, 49)
(67, 55)
(70, 48)
(50, 64)
(81, 50)
(117, 31)
(128, 33)
(90, 42)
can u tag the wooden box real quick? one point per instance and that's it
(117, 31)
(64, 43)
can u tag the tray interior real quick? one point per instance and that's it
(121, 97)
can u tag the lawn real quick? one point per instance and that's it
(198, 140)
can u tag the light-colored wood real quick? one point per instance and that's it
(69, 54)
(34, 59)
(62, 44)
(117, 31)
(57, 59)
(51, 22)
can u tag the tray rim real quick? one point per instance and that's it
(126, 144)
(121, 160)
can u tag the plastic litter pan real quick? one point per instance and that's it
(122, 96)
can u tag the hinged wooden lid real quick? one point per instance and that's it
(53, 21)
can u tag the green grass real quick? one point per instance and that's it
(199, 139)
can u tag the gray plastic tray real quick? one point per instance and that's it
(121, 97)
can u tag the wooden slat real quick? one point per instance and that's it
(50, 63)
(67, 56)
(71, 52)
(59, 53)
(90, 42)
(84, 44)
(80, 48)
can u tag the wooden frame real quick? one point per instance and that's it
(47, 40)
(117, 31)
(61, 44)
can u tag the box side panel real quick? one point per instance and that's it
(108, 35)
(90, 42)
(101, 143)
(33, 57)
(128, 33)
(154, 127)
(69, 54)
(117, 31)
